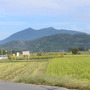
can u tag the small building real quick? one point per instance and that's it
(17, 54)
(26, 53)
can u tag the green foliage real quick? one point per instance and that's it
(3, 52)
(75, 50)
(11, 57)
(7, 52)
(82, 48)
(51, 43)
(39, 54)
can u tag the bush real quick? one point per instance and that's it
(39, 54)
(75, 50)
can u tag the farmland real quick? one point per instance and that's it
(71, 71)
(11, 70)
(77, 68)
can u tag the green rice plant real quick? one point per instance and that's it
(77, 68)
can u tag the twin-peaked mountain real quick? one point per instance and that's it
(32, 34)
(47, 39)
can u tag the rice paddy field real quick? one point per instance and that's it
(77, 68)
(71, 71)
(11, 70)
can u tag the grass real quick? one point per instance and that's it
(71, 71)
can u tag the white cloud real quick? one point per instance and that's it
(27, 6)
(73, 10)
(43, 6)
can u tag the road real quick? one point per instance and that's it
(17, 86)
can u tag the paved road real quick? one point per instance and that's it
(16, 86)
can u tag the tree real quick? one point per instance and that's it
(75, 50)
(3, 52)
(39, 54)
(82, 48)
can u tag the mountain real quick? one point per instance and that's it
(51, 43)
(31, 34)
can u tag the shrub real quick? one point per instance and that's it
(74, 50)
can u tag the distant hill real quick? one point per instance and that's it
(31, 34)
(50, 43)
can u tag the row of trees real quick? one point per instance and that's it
(8, 52)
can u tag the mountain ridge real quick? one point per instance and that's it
(31, 34)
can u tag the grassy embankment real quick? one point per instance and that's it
(70, 71)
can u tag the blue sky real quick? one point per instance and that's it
(16, 15)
